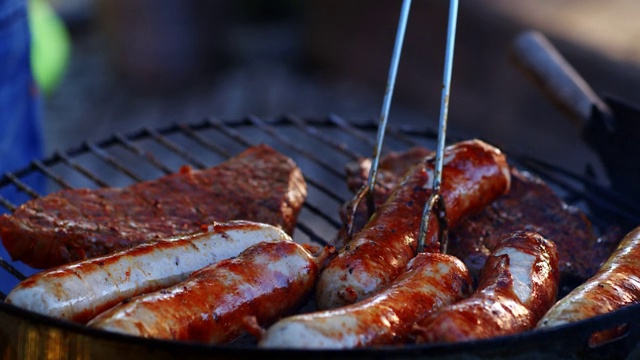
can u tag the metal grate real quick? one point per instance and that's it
(320, 146)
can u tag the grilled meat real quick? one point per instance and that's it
(429, 282)
(79, 291)
(529, 205)
(390, 167)
(266, 281)
(615, 285)
(518, 284)
(259, 185)
(474, 174)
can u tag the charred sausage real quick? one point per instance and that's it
(431, 280)
(616, 284)
(474, 175)
(81, 290)
(264, 282)
(518, 284)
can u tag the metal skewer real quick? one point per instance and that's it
(368, 190)
(386, 103)
(435, 202)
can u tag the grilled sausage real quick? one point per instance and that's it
(474, 174)
(431, 280)
(81, 290)
(265, 281)
(616, 284)
(517, 286)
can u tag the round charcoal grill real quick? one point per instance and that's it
(321, 147)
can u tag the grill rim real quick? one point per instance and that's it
(509, 345)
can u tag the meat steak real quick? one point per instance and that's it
(258, 184)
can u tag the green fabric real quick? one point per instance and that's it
(50, 45)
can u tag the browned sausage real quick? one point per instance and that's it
(518, 285)
(430, 281)
(265, 281)
(616, 284)
(474, 175)
(81, 290)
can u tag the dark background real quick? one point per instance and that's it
(138, 63)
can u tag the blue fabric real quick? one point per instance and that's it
(21, 138)
(20, 124)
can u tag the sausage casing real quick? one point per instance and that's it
(81, 290)
(265, 281)
(474, 174)
(616, 284)
(431, 280)
(518, 284)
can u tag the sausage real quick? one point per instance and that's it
(431, 280)
(81, 290)
(616, 284)
(518, 284)
(474, 174)
(264, 282)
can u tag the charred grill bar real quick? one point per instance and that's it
(321, 147)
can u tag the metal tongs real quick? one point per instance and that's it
(435, 204)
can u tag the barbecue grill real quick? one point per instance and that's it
(321, 147)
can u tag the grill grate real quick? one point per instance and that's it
(320, 146)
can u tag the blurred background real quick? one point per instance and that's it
(137, 63)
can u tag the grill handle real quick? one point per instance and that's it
(536, 56)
